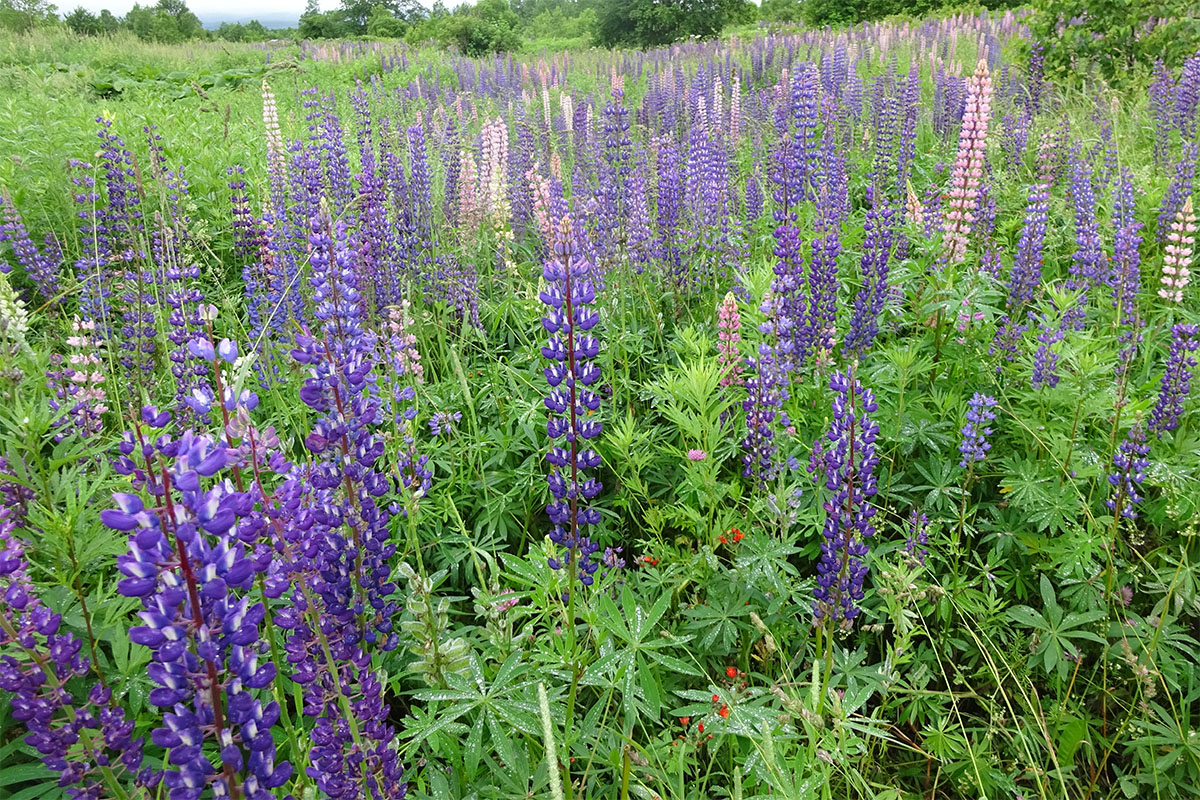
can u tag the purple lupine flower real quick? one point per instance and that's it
(1162, 102)
(823, 274)
(847, 460)
(974, 446)
(1027, 267)
(1088, 265)
(1045, 363)
(42, 268)
(89, 744)
(917, 536)
(343, 600)
(442, 422)
(1036, 81)
(342, 390)
(868, 303)
(1179, 189)
(754, 197)
(1176, 380)
(572, 371)
(616, 169)
(1126, 277)
(194, 577)
(911, 105)
(1131, 463)
(766, 392)
(670, 207)
(1187, 97)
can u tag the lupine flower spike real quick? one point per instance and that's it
(846, 457)
(1177, 258)
(572, 372)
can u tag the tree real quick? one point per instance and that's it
(781, 10)
(384, 24)
(327, 25)
(107, 22)
(170, 21)
(82, 22)
(255, 31)
(22, 15)
(489, 26)
(357, 13)
(649, 23)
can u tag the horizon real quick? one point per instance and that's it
(215, 10)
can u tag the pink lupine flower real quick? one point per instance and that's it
(969, 164)
(1178, 256)
(696, 455)
(493, 186)
(468, 200)
(729, 322)
(402, 342)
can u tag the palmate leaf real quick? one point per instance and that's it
(1057, 630)
(1050, 506)
(714, 624)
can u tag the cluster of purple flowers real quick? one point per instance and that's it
(1131, 463)
(572, 372)
(975, 445)
(847, 460)
(1176, 381)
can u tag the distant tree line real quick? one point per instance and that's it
(168, 21)
(494, 25)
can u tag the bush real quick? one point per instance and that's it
(1118, 36)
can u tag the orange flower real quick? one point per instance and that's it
(700, 727)
(724, 712)
(685, 721)
(716, 699)
(731, 672)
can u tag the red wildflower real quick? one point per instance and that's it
(731, 672)
(724, 712)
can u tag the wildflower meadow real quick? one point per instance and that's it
(804, 413)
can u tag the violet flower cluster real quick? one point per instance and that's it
(194, 576)
(1176, 381)
(847, 460)
(974, 446)
(572, 372)
(91, 743)
(1131, 463)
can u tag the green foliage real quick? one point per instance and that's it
(1122, 38)
(23, 15)
(648, 23)
(252, 31)
(385, 24)
(168, 22)
(358, 15)
(489, 26)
